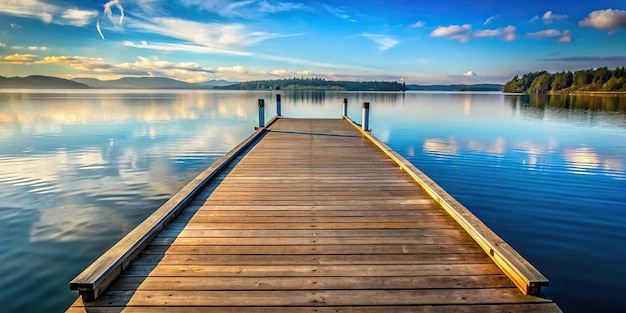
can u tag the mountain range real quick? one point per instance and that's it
(48, 82)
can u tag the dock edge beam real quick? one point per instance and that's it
(523, 274)
(92, 281)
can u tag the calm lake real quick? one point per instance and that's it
(79, 169)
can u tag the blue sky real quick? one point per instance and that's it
(427, 42)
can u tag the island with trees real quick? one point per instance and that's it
(315, 84)
(601, 79)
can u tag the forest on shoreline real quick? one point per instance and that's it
(601, 79)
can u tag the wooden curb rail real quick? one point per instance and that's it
(101, 273)
(523, 274)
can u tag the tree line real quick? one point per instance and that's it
(315, 84)
(600, 79)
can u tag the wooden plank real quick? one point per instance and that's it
(278, 241)
(314, 259)
(316, 298)
(310, 270)
(462, 308)
(190, 232)
(369, 249)
(311, 283)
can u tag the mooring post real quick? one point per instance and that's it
(345, 107)
(365, 116)
(261, 113)
(278, 109)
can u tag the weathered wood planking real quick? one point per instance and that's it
(314, 218)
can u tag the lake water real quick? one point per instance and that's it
(79, 169)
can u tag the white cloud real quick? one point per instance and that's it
(234, 69)
(35, 48)
(534, 19)
(491, 18)
(385, 42)
(464, 33)
(2, 45)
(282, 73)
(46, 12)
(550, 17)
(78, 17)
(470, 74)
(446, 31)
(506, 33)
(29, 9)
(605, 19)
(566, 37)
(18, 58)
(544, 34)
(418, 24)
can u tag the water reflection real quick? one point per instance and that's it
(441, 146)
(80, 169)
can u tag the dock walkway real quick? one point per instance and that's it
(312, 216)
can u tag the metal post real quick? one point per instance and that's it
(278, 109)
(365, 116)
(345, 107)
(261, 113)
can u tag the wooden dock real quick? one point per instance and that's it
(311, 215)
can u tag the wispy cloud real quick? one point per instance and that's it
(491, 18)
(19, 58)
(610, 19)
(108, 12)
(243, 8)
(31, 48)
(544, 34)
(565, 36)
(464, 33)
(506, 33)
(2, 45)
(385, 42)
(418, 24)
(46, 12)
(29, 9)
(550, 17)
(78, 17)
(221, 37)
(171, 47)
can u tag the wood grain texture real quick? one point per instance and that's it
(314, 218)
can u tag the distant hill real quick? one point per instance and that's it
(149, 83)
(136, 83)
(458, 87)
(40, 82)
(216, 82)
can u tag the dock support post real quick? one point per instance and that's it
(345, 107)
(365, 116)
(278, 108)
(261, 113)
